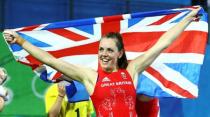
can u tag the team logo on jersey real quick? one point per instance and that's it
(123, 75)
(106, 79)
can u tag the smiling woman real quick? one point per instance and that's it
(113, 87)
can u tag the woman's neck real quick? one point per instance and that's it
(111, 70)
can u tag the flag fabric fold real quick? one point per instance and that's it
(175, 73)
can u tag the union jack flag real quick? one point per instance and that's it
(175, 73)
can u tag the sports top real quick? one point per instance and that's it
(114, 95)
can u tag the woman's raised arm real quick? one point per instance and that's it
(140, 63)
(84, 75)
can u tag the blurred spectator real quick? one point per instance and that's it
(57, 105)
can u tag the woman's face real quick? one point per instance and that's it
(108, 55)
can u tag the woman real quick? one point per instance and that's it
(112, 89)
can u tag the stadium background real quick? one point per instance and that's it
(28, 91)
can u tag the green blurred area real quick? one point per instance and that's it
(25, 89)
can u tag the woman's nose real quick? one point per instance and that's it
(104, 53)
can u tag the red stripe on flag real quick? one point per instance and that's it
(110, 27)
(186, 43)
(91, 48)
(164, 19)
(68, 34)
(34, 63)
(112, 18)
(33, 66)
(57, 76)
(29, 28)
(112, 24)
(169, 84)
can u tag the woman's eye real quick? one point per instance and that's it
(110, 50)
(101, 49)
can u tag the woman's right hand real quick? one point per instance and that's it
(11, 36)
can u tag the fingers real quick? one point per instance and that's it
(196, 18)
(193, 14)
(193, 7)
(8, 33)
(10, 36)
(197, 6)
(61, 87)
(61, 90)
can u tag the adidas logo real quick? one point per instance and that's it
(106, 79)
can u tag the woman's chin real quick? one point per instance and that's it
(105, 68)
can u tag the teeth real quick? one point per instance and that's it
(105, 60)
